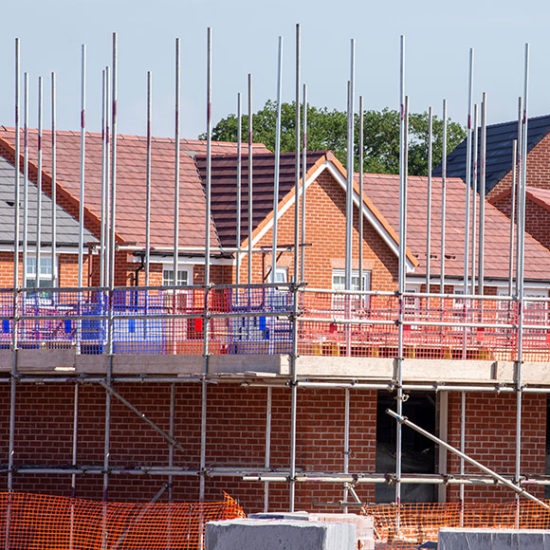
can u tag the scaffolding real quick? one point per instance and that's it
(271, 318)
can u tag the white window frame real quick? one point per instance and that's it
(181, 269)
(354, 275)
(411, 303)
(281, 274)
(30, 276)
(42, 294)
(338, 304)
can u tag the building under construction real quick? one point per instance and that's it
(182, 318)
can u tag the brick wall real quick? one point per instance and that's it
(325, 233)
(537, 218)
(490, 439)
(235, 437)
(538, 169)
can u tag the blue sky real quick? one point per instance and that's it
(438, 34)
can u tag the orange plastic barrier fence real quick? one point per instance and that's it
(419, 523)
(46, 522)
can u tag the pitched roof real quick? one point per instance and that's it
(67, 227)
(131, 188)
(383, 190)
(536, 194)
(500, 138)
(540, 196)
(224, 189)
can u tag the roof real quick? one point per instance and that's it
(383, 190)
(224, 189)
(67, 232)
(500, 139)
(535, 194)
(131, 185)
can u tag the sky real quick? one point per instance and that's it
(245, 33)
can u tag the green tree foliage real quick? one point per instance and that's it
(328, 129)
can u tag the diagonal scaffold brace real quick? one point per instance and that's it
(521, 492)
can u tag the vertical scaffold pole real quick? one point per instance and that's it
(13, 379)
(443, 198)
(277, 160)
(429, 201)
(25, 177)
(267, 457)
(518, 187)
(250, 180)
(204, 385)
(303, 195)
(82, 166)
(401, 278)
(104, 191)
(54, 180)
(474, 200)
(468, 170)
(114, 122)
(238, 211)
(172, 435)
(17, 163)
(108, 203)
(361, 190)
(74, 461)
(521, 247)
(148, 184)
(176, 167)
(347, 450)
(349, 171)
(295, 286)
(110, 320)
(482, 179)
(462, 450)
(512, 217)
(39, 188)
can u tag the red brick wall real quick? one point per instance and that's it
(537, 218)
(325, 232)
(490, 439)
(235, 437)
(538, 169)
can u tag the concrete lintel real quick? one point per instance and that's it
(345, 367)
(220, 364)
(45, 360)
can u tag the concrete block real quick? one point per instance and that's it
(493, 539)
(285, 534)
(364, 525)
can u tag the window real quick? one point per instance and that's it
(339, 280)
(356, 303)
(412, 304)
(184, 276)
(44, 277)
(281, 274)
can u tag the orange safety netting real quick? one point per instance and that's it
(419, 523)
(47, 522)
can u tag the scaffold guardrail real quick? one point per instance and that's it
(257, 319)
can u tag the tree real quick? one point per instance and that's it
(328, 129)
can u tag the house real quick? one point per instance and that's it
(247, 400)
(499, 162)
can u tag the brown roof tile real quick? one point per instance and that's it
(383, 190)
(224, 189)
(131, 189)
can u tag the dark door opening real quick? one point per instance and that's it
(418, 453)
